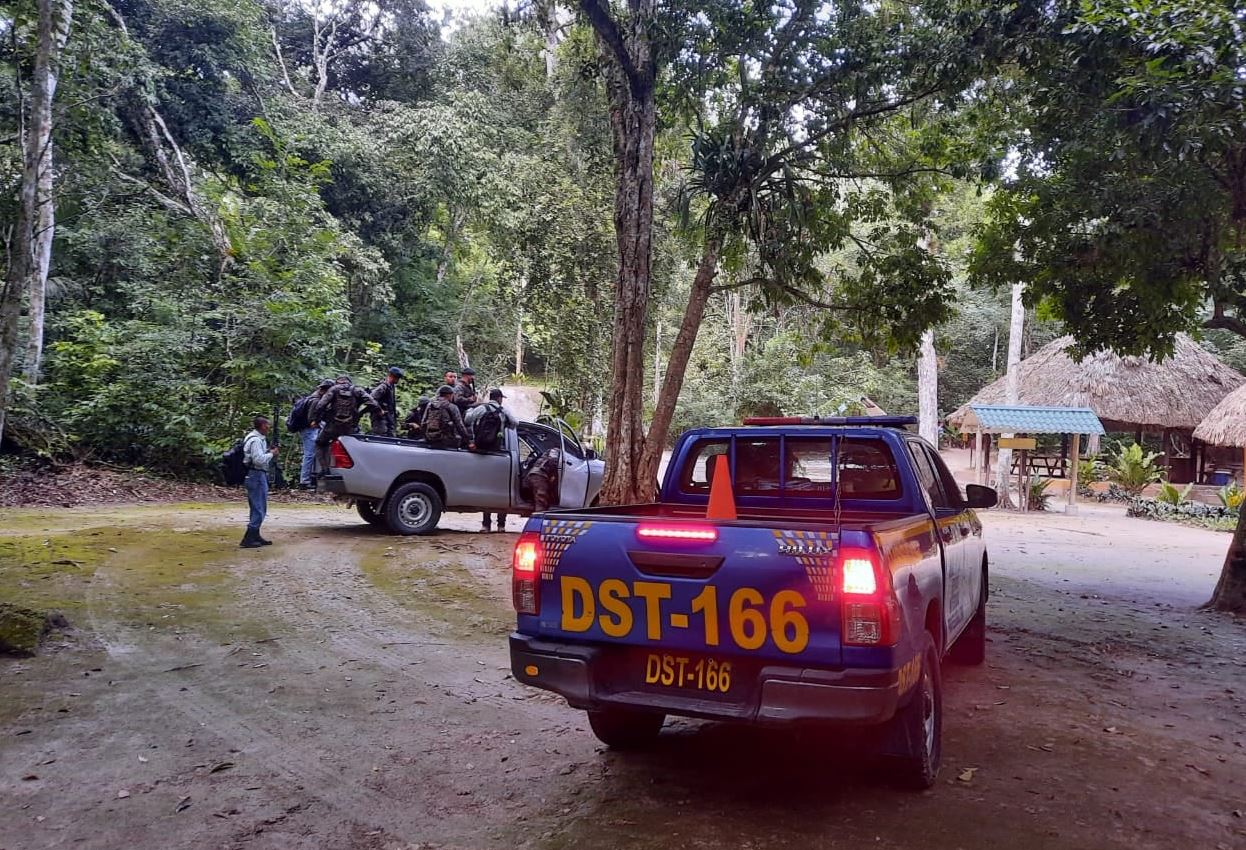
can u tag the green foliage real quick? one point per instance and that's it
(1091, 470)
(1038, 499)
(1169, 494)
(1126, 214)
(1133, 469)
(1231, 496)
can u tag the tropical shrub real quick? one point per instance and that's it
(1170, 495)
(1038, 497)
(1134, 469)
(1231, 496)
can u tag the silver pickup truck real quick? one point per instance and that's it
(404, 485)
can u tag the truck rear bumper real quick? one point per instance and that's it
(781, 694)
(331, 483)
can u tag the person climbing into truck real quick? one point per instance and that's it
(339, 411)
(443, 423)
(487, 423)
(542, 478)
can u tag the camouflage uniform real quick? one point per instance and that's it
(465, 395)
(443, 425)
(386, 395)
(414, 423)
(543, 479)
(338, 412)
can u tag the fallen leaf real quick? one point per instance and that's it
(182, 805)
(30, 777)
(220, 766)
(966, 775)
(122, 794)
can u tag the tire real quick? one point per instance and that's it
(369, 514)
(970, 647)
(917, 729)
(623, 729)
(413, 508)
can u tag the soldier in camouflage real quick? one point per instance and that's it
(443, 423)
(338, 413)
(543, 479)
(386, 395)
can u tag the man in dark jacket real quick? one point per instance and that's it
(443, 423)
(465, 390)
(309, 434)
(338, 413)
(543, 479)
(386, 395)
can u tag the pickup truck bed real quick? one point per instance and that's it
(807, 607)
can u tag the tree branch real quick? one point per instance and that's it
(608, 31)
(1219, 321)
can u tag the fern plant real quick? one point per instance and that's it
(1038, 498)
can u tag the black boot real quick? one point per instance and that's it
(264, 541)
(250, 540)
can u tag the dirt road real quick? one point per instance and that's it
(344, 689)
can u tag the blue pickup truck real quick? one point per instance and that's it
(852, 568)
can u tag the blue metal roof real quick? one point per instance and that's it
(1023, 419)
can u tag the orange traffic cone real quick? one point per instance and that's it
(722, 499)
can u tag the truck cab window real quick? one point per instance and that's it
(809, 470)
(867, 470)
(927, 477)
(757, 466)
(698, 471)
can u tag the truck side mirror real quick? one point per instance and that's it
(977, 496)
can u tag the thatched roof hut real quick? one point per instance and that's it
(1226, 424)
(1127, 393)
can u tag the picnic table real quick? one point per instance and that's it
(1049, 465)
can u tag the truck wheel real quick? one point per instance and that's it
(621, 729)
(917, 729)
(413, 508)
(970, 647)
(369, 514)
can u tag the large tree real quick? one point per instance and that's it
(812, 127)
(1127, 214)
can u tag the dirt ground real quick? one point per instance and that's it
(345, 689)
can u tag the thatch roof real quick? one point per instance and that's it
(1226, 424)
(1126, 392)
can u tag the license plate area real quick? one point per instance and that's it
(694, 675)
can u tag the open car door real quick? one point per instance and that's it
(573, 478)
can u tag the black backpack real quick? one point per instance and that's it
(234, 464)
(344, 405)
(299, 415)
(488, 428)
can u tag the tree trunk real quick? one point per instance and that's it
(928, 390)
(630, 76)
(1230, 592)
(677, 362)
(518, 343)
(1012, 389)
(31, 255)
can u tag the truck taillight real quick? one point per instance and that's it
(869, 611)
(526, 573)
(680, 533)
(341, 457)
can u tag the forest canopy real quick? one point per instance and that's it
(251, 196)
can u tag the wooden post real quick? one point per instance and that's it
(984, 473)
(1023, 488)
(975, 456)
(1074, 451)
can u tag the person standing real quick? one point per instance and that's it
(386, 395)
(301, 415)
(257, 457)
(338, 413)
(451, 379)
(487, 424)
(443, 424)
(465, 391)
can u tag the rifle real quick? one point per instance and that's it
(279, 478)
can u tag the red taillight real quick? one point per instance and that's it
(869, 611)
(341, 457)
(685, 533)
(526, 573)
